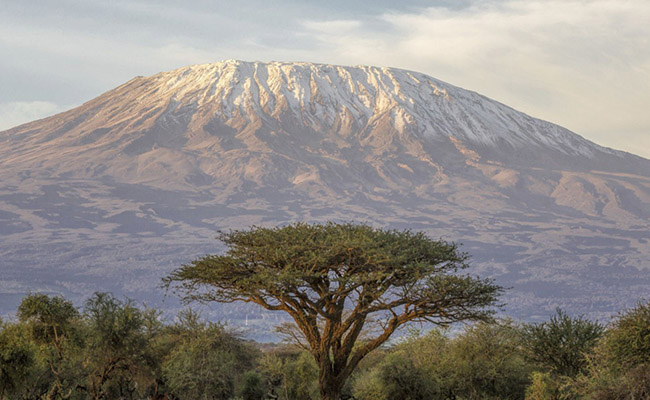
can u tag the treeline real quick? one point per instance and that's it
(112, 349)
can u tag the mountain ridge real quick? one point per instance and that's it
(151, 169)
(215, 74)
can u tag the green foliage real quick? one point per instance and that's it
(116, 347)
(51, 318)
(620, 365)
(17, 357)
(114, 326)
(628, 341)
(292, 375)
(550, 386)
(484, 362)
(53, 323)
(635, 383)
(368, 385)
(561, 343)
(542, 387)
(488, 363)
(197, 370)
(117, 350)
(424, 359)
(253, 386)
(206, 361)
(625, 384)
(402, 381)
(431, 353)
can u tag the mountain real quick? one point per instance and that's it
(115, 193)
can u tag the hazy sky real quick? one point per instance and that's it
(584, 64)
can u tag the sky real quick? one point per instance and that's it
(583, 64)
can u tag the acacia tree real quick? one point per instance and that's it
(332, 279)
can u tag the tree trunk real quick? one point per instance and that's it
(328, 392)
(330, 387)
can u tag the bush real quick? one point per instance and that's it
(484, 362)
(55, 328)
(561, 343)
(292, 375)
(487, 363)
(116, 348)
(17, 357)
(402, 381)
(548, 386)
(620, 364)
(207, 363)
(253, 386)
(628, 340)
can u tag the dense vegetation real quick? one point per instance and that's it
(348, 288)
(111, 349)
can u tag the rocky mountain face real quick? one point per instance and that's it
(114, 194)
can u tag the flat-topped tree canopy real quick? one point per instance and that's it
(330, 278)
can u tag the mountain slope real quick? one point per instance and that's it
(161, 162)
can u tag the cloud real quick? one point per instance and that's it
(339, 26)
(18, 112)
(582, 64)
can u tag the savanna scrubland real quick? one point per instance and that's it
(111, 349)
(348, 288)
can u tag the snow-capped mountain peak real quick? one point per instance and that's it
(322, 95)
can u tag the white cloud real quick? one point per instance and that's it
(18, 112)
(582, 64)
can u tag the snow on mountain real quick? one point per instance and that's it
(185, 108)
(115, 193)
